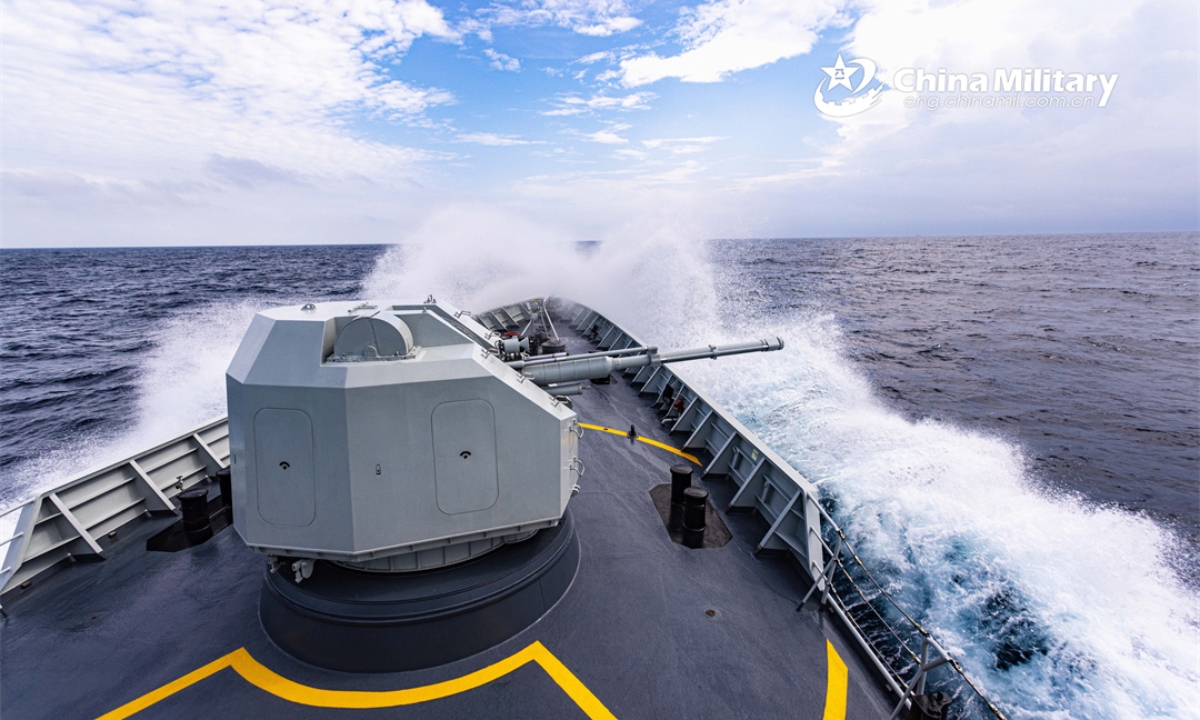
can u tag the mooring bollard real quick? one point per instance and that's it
(681, 479)
(196, 524)
(695, 506)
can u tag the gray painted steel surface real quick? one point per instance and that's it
(49, 531)
(362, 432)
(766, 482)
(635, 627)
(602, 364)
(73, 520)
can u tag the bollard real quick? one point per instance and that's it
(695, 505)
(195, 515)
(225, 480)
(929, 707)
(681, 479)
(553, 346)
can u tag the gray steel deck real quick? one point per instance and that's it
(635, 628)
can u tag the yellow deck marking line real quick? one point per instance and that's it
(263, 678)
(835, 691)
(170, 688)
(646, 440)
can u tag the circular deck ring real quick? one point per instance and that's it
(343, 619)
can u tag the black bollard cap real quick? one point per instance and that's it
(193, 494)
(681, 479)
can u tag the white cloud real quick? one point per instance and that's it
(184, 122)
(595, 57)
(683, 173)
(1128, 166)
(682, 146)
(1143, 120)
(606, 137)
(631, 153)
(575, 105)
(500, 61)
(598, 18)
(726, 36)
(236, 206)
(152, 89)
(496, 140)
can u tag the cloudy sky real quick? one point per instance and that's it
(160, 122)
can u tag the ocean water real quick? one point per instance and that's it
(1007, 426)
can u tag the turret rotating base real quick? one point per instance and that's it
(343, 619)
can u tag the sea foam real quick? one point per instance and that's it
(1056, 607)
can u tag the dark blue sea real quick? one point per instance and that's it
(988, 414)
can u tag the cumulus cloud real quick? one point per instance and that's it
(722, 37)
(120, 84)
(178, 121)
(598, 18)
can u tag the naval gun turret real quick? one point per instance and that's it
(374, 443)
(389, 437)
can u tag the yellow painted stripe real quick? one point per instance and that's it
(264, 678)
(167, 690)
(835, 691)
(571, 685)
(646, 440)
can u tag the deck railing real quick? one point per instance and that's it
(797, 524)
(80, 517)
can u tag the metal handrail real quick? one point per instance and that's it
(820, 572)
(14, 537)
(916, 684)
(32, 523)
(10, 510)
(13, 508)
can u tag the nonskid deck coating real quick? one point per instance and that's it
(649, 629)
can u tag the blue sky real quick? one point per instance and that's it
(157, 122)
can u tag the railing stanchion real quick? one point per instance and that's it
(825, 580)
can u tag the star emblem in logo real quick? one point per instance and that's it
(839, 74)
(862, 96)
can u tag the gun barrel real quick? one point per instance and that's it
(590, 367)
(544, 359)
(714, 351)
